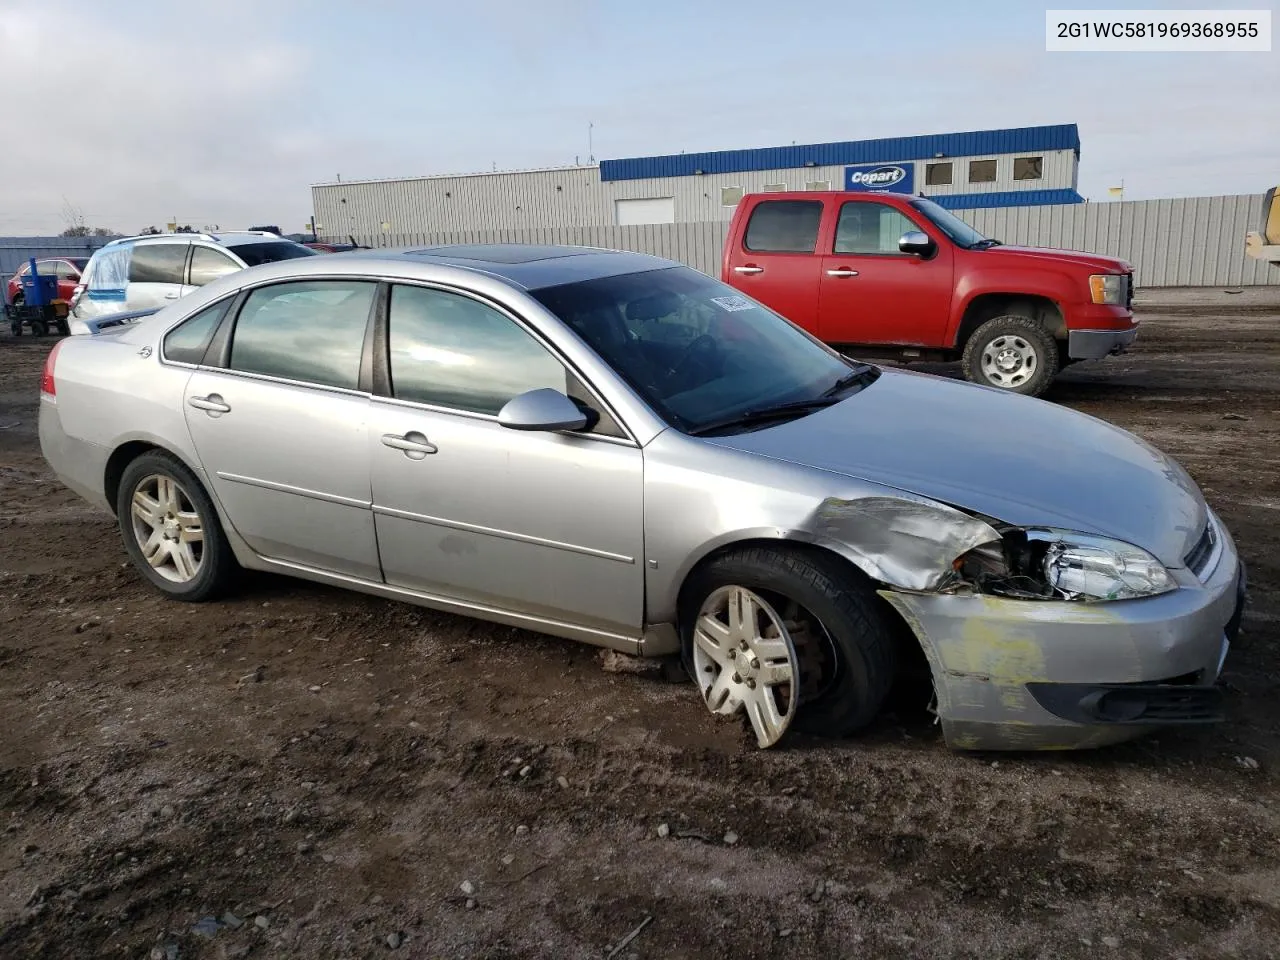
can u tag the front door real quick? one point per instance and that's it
(282, 430)
(776, 261)
(873, 293)
(548, 525)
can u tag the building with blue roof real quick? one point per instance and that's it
(1019, 166)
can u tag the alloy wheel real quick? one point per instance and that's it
(168, 528)
(745, 660)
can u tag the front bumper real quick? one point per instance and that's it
(1030, 675)
(1095, 344)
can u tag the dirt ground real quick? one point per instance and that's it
(303, 772)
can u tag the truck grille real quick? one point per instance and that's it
(1198, 559)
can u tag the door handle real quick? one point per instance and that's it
(842, 272)
(748, 269)
(171, 296)
(212, 404)
(415, 445)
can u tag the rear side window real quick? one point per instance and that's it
(784, 226)
(311, 331)
(186, 343)
(270, 251)
(207, 265)
(157, 262)
(65, 271)
(451, 351)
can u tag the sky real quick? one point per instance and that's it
(225, 113)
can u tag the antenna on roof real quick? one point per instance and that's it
(591, 148)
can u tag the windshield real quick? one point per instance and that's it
(697, 351)
(946, 221)
(254, 254)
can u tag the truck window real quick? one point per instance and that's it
(784, 226)
(866, 227)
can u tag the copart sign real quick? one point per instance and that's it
(895, 177)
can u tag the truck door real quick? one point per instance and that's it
(872, 292)
(775, 257)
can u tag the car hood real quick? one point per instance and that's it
(1069, 258)
(1011, 458)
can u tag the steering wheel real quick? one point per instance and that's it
(702, 349)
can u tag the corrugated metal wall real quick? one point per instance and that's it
(1197, 241)
(14, 251)
(1187, 242)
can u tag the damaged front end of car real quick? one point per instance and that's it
(1045, 638)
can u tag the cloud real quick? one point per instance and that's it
(145, 120)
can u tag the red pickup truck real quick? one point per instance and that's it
(891, 275)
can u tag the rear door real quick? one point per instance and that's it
(156, 272)
(279, 423)
(873, 293)
(775, 258)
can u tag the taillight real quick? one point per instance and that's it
(76, 294)
(48, 387)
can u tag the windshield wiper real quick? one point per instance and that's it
(779, 411)
(985, 244)
(864, 371)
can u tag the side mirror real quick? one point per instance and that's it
(916, 242)
(543, 409)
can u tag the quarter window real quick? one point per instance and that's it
(1027, 168)
(187, 342)
(937, 174)
(784, 226)
(452, 351)
(982, 171)
(866, 227)
(157, 263)
(66, 271)
(207, 265)
(311, 331)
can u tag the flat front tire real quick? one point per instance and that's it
(844, 652)
(171, 529)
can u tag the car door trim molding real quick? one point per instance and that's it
(297, 491)
(503, 534)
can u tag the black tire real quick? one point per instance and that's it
(16, 328)
(1027, 336)
(39, 328)
(863, 650)
(64, 328)
(217, 567)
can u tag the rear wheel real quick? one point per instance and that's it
(171, 530)
(1013, 353)
(843, 659)
(39, 328)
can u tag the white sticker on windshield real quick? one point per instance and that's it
(732, 304)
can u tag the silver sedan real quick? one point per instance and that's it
(616, 449)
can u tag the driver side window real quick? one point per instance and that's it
(868, 227)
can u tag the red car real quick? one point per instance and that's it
(894, 275)
(67, 269)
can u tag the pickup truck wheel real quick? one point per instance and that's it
(844, 653)
(171, 530)
(1013, 353)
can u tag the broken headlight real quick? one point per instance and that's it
(1048, 564)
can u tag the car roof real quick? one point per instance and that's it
(238, 237)
(531, 266)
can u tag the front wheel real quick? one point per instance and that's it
(171, 530)
(788, 634)
(1013, 353)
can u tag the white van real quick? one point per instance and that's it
(149, 272)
